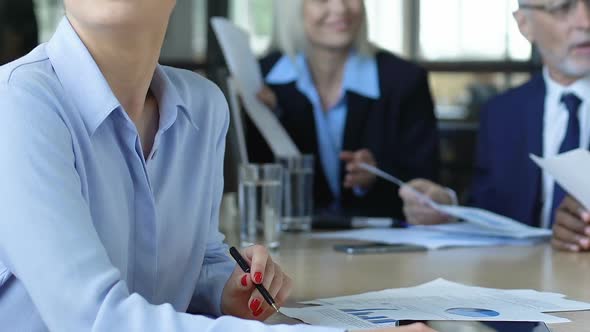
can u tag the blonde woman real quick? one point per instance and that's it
(347, 102)
(104, 224)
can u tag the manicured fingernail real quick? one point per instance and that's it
(258, 277)
(244, 280)
(255, 305)
(587, 231)
(584, 242)
(258, 312)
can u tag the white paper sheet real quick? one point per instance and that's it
(343, 318)
(492, 223)
(242, 63)
(436, 300)
(487, 222)
(570, 170)
(431, 237)
(535, 300)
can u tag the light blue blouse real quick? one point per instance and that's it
(92, 236)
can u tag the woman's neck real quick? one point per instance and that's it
(327, 70)
(127, 59)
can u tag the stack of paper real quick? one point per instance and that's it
(432, 237)
(436, 300)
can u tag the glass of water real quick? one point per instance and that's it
(297, 192)
(260, 204)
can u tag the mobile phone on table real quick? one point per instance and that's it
(454, 326)
(376, 248)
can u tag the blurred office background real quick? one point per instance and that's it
(472, 49)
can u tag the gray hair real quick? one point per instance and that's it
(288, 34)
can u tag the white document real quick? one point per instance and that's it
(430, 237)
(436, 300)
(493, 224)
(344, 318)
(242, 63)
(534, 300)
(422, 308)
(571, 171)
(488, 222)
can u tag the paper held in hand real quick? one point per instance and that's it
(488, 222)
(242, 63)
(570, 170)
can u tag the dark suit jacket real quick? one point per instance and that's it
(399, 129)
(506, 180)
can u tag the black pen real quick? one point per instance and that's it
(246, 268)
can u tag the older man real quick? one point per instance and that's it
(548, 115)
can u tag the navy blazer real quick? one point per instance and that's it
(506, 180)
(399, 129)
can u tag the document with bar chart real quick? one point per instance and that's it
(437, 300)
(345, 318)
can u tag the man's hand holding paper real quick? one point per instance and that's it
(571, 231)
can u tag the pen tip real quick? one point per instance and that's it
(275, 307)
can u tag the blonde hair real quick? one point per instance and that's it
(288, 35)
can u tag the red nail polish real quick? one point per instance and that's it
(244, 280)
(255, 305)
(258, 277)
(258, 312)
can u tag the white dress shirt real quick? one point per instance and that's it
(555, 122)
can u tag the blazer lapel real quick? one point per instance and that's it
(302, 122)
(358, 108)
(535, 110)
(354, 130)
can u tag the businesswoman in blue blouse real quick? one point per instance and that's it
(105, 222)
(346, 102)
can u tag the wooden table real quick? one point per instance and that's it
(319, 271)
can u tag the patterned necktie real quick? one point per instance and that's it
(571, 141)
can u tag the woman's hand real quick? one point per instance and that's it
(267, 97)
(240, 297)
(357, 177)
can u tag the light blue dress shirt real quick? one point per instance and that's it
(93, 237)
(360, 76)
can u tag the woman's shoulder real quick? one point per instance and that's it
(30, 88)
(392, 64)
(398, 74)
(203, 98)
(268, 61)
(186, 79)
(33, 73)
(31, 101)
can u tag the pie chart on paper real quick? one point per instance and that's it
(473, 312)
